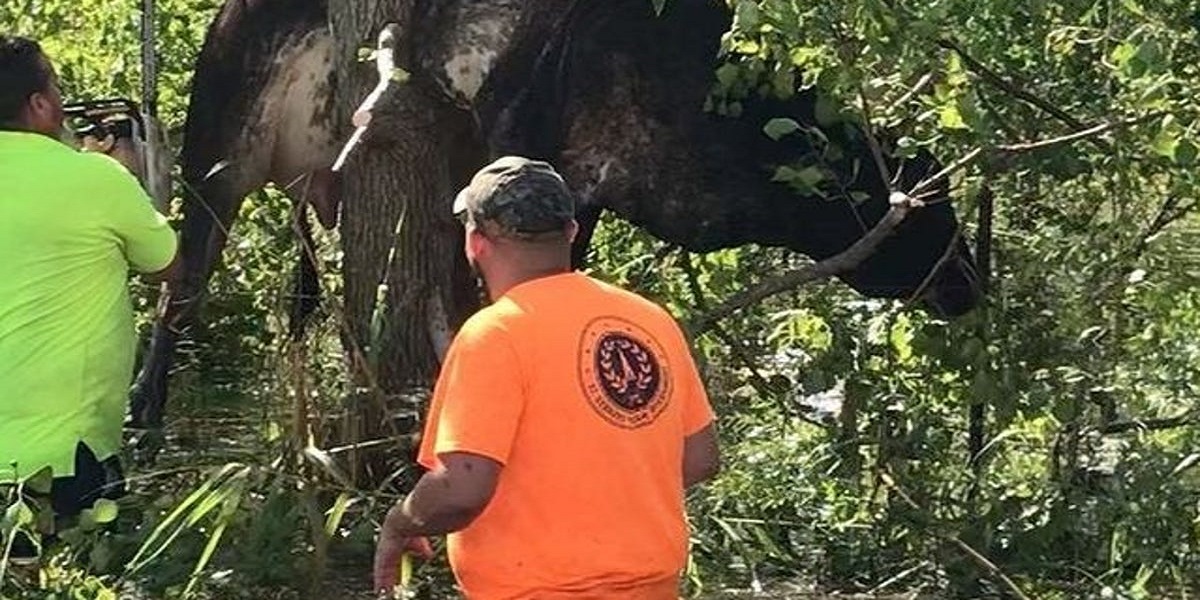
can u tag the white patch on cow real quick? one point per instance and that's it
(468, 70)
(481, 34)
(298, 90)
(604, 171)
(591, 170)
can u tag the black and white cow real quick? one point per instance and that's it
(609, 92)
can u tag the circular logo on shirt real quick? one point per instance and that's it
(624, 372)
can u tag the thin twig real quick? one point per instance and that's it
(1168, 212)
(920, 85)
(1013, 149)
(947, 171)
(1078, 135)
(914, 90)
(997, 80)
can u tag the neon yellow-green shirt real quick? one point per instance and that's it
(72, 225)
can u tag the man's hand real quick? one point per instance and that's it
(388, 552)
(123, 150)
(444, 500)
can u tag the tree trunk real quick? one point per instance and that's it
(402, 262)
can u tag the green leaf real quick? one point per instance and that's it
(784, 83)
(727, 74)
(1150, 53)
(747, 47)
(1133, 7)
(805, 57)
(826, 111)
(1185, 153)
(779, 127)
(334, 520)
(101, 555)
(104, 511)
(901, 337)
(1164, 144)
(149, 551)
(1122, 54)
(949, 117)
(805, 181)
(748, 16)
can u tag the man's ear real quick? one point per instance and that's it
(572, 231)
(477, 241)
(39, 104)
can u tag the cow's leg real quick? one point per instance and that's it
(306, 283)
(208, 216)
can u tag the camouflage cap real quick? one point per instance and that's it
(523, 197)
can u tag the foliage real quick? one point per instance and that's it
(1093, 267)
(1089, 328)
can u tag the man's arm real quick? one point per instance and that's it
(446, 499)
(172, 272)
(701, 458)
(150, 245)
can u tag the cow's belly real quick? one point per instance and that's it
(301, 93)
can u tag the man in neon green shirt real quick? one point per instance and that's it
(72, 226)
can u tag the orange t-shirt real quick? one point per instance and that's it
(585, 393)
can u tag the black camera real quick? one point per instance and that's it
(99, 119)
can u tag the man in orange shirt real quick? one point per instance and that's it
(566, 424)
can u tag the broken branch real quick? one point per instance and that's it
(953, 167)
(385, 64)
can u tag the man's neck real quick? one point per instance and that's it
(500, 285)
(17, 128)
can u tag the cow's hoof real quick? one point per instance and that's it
(146, 444)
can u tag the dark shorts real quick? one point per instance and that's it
(94, 479)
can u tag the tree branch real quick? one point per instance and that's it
(1013, 149)
(839, 263)
(872, 143)
(914, 90)
(737, 348)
